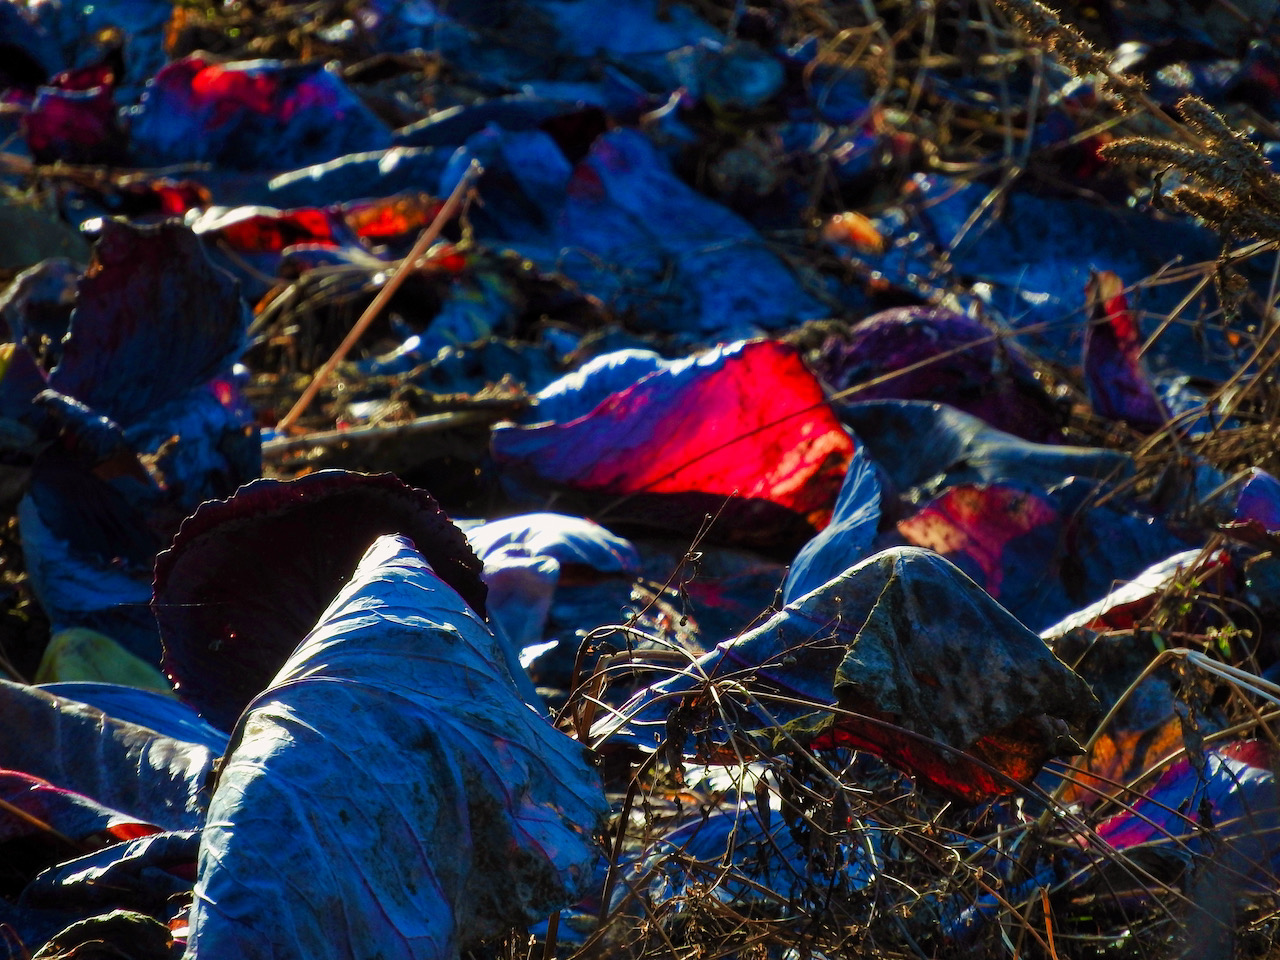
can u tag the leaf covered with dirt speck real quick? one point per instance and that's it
(390, 793)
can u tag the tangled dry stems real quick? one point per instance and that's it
(932, 861)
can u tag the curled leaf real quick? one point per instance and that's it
(932, 673)
(429, 805)
(247, 577)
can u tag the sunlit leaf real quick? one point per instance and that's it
(428, 805)
(745, 424)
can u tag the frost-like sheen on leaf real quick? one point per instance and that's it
(390, 794)
(120, 765)
(570, 541)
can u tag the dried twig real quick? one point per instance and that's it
(425, 240)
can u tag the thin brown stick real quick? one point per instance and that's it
(425, 240)
(34, 821)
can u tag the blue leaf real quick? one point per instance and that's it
(120, 765)
(847, 539)
(428, 805)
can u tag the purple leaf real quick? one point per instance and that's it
(525, 557)
(570, 541)
(247, 578)
(147, 708)
(921, 448)
(153, 320)
(74, 126)
(920, 353)
(1237, 791)
(638, 237)
(71, 814)
(1119, 388)
(1256, 517)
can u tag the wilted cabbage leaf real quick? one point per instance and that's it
(426, 804)
(846, 539)
(254, 114)
(637, 236)
(120, 765)
(1226, 807)
(154, 318)
(247, 577)
(932, 674)
(923, 353)
(921, 448)
(572, 542)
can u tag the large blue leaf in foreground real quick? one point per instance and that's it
(390, 794)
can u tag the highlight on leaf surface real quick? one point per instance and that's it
(429, 805)
(744, 427)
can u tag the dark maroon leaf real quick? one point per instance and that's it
(248, 577)
(118, 935)
(153, 319)
(1118, 385)
(920, 353)
(74, 126)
